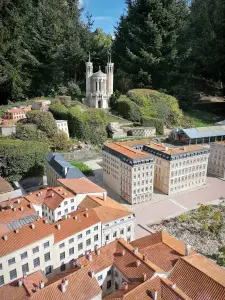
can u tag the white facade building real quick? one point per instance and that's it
(216, 165)
(62, 126)
(99, 85)
(128, 171)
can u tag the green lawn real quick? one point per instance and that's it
(109, 119)
(82, 167)
(197, 118)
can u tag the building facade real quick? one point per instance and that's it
(99, 85)
(129, 171)
(41, 105)
(62, 126)
(15, 113)
(216, 164)
(143, 131)
(178, 169)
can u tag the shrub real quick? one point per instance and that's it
(82, 167)
(153, 122)
(128, 109)
(59, 111)
(30, 132)
(95, 128)
(113, 101)
(76, 123)
(19, 159)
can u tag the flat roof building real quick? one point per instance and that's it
(216, 164)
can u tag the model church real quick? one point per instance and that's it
(99, 85)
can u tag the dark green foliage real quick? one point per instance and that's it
(95, 132)
(153, 122)
(43, 120)
(128, 109)
(30, 132)
(21, 158)
(59, 111)
(113, 101)
(76, 123)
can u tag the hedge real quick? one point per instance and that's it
(128, 109)
(153, 122)
(59, 111)
(19, 159)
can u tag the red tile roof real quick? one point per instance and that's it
(5, 186)
(199, 277)
(126, 150)
(107, 210)
(81, 186)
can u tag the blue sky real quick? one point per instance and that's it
(106, 13)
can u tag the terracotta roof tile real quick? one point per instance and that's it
(127, 150)
(81, 186)
(199, 278)
(52, 197)
(107, 210)
(5, 186)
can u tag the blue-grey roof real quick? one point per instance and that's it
(16, 224)
(63, 167)
(204, 132)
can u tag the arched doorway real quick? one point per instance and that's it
(99, 104)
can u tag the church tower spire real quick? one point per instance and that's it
(109, 71)
(89, 72)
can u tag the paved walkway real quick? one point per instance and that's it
(164, 206)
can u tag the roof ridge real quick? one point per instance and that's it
(175, 289)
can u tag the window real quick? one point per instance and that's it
(116, 274)
(116, 286)
(107, 237)
(46, 244)
(71, 240)
(88, 242)
(63, 267)
(79, 236)
(25, 268)
(95, 228)
(128, 239)
(36, 262)
(13, 274)
(11, 261)
(2, 280)
(72, 207)
(71, 251)
(72, 200)
(0, 266)
(47, 256)
(109, 272)
(80, 246)
(88, 232)
(129, 229)
(23, 255)
(62, 245)
(109, 284)
(66, 211)
(65, 203)
(100, 277)
(114, 234)
(122, 231)
(59, 213)
(48, 270)
(62, 255)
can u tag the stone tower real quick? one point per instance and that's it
(99, 86)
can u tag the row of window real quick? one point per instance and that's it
(188, 162)
(184, 186)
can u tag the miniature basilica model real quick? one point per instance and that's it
(99, 85)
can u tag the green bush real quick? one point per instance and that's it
(59, 111)
(19, 159)
(128, 109)
(153, 122)
(82, 167)
(30, 132)
(157, 105)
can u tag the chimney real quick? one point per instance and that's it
(144, 277)
(18, 201)
(97, 251)
(5, 237)
(86, 209)
(145, 256)
(63, 287)
(20, 282)
(32, 226)
(166, 148)
(86, 215)
(138, 262)
(14, 209)
(58, 226)
(125, 286)
(45, 221)
(187, 250)
(89, 256)
(65, 170)
(135, 250)
(92, 274)
(66, 281)
(104, 196)
(31, 205)
(21, 208)
(17, 230)
(123, 252)
(53, 195)
(174, 285)
(42, 284)
(75, 217)
(154, 295)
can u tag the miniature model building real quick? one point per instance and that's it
(99, 85)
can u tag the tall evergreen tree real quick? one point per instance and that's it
(146, 49)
